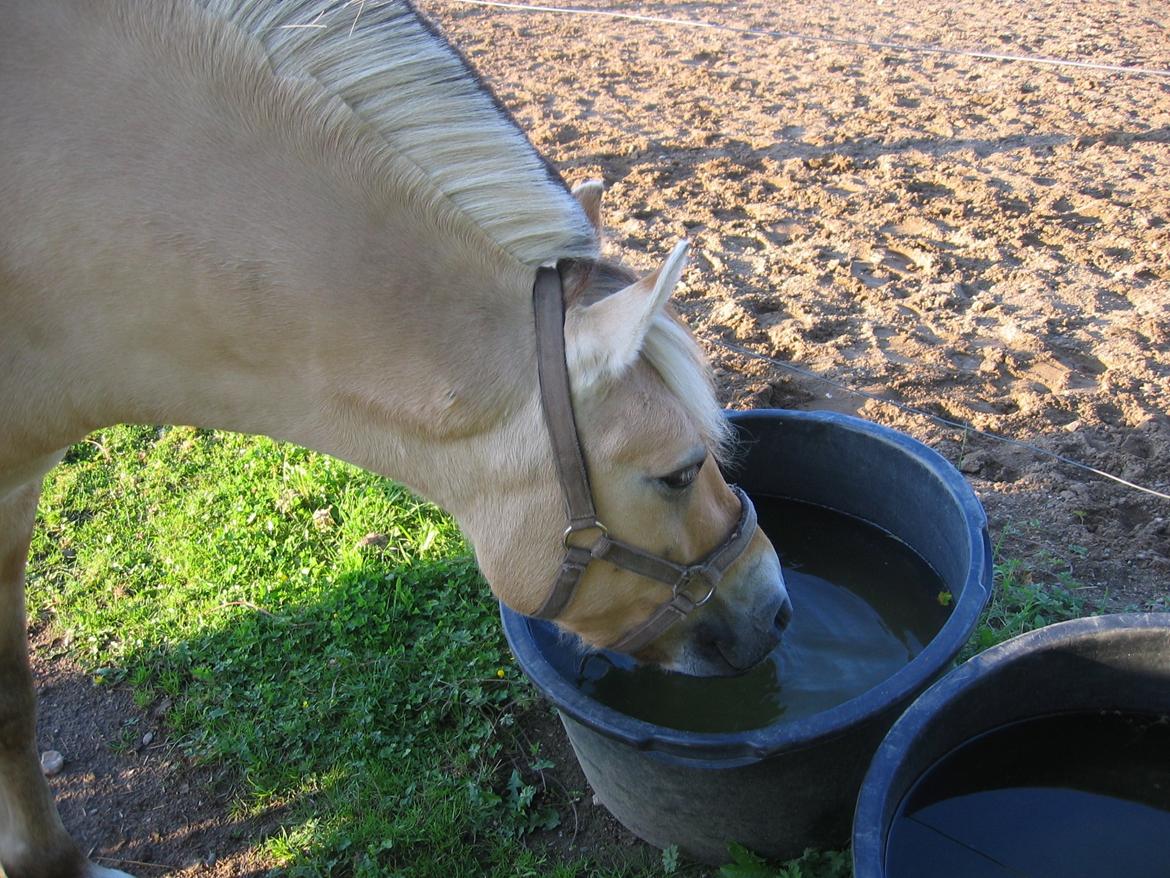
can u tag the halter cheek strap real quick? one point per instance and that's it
(691, 585)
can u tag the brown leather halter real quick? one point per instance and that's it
(703, 575)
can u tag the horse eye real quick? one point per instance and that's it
(680, 479)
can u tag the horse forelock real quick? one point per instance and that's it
(435, 118)
(670, 349)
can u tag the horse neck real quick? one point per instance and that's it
(244, 271)
(381, 346)
(267, 293)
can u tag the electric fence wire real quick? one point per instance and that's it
(884, 45)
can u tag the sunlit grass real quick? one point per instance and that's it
(317, 629)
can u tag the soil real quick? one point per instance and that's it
(130, 800)
(987, 242)
(982, 241)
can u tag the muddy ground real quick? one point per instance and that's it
(983, 241)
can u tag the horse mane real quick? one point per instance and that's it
(671, 350)
(439, 124)
(442, 135)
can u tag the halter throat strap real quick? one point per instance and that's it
(692, 585)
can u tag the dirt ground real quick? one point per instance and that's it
(988, 242)
(129, 798)
(985, 241)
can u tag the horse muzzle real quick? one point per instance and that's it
(735, 633)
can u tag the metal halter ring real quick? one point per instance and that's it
(577, 528)
(690, 575)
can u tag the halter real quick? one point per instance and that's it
(691, 585)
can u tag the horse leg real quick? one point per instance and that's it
(33, 842)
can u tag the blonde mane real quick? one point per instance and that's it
(384, 61)
(441, 129)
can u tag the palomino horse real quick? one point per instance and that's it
(310, 220)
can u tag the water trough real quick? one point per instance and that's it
(1041, 803)
(790, 785)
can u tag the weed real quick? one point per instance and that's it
(1020, 603)
(811, 864)
(670, 859)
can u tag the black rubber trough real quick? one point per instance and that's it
(1107, 668)
(792, 785)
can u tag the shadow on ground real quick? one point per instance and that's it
(126, 793)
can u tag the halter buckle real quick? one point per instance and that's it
(689, 575)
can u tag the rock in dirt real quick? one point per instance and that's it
(52, 762)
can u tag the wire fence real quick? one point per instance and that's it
(883, 45)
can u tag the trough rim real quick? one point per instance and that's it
(761, 743)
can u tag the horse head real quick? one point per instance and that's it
(652, 436)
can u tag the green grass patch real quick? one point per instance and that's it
(362, 685)
(812, 864)
(1026, 596)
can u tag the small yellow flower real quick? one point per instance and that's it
(500, 673)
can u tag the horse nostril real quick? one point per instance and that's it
(783, 615)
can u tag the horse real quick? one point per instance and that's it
(312, 220)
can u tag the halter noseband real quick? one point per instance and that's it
(703, 576)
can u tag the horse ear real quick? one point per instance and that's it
(589, 193)
(604, 339)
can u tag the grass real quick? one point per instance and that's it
(365, 689)
(326, 635)
(1022, 602)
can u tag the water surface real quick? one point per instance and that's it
(1069, 796)
(864, 605)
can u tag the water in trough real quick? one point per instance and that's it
(864, 605)
(1077, 795)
